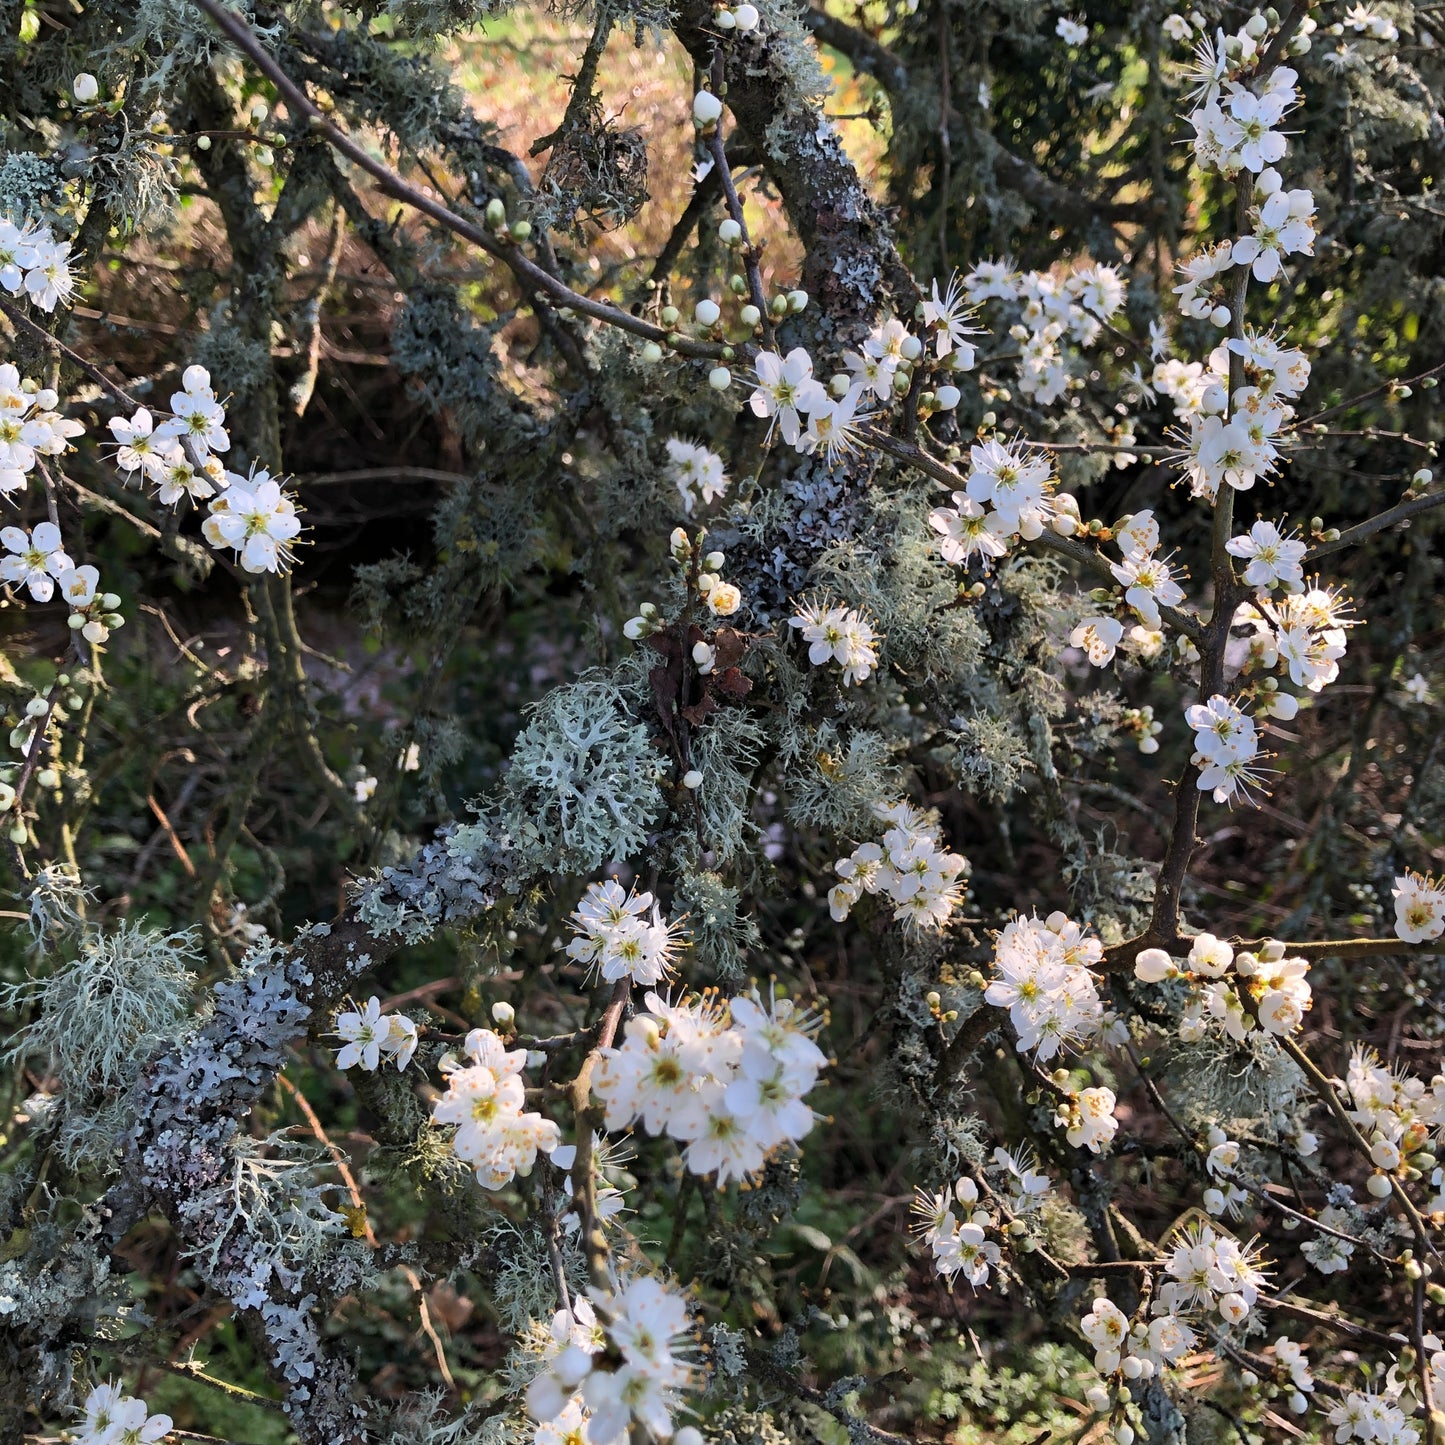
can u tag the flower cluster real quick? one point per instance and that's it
(1225, 1196)
(1221, 980)
(586, 1396)
(109, 1417)
(34, 263)
(702, 570)
(163, 451)
(728, 1081)
(1087, 1118)
(1232, 438)
(368, 1036)
(1053, 308)
(1419, 907)
(617, 938)
(485, 1101)
(697, 473)
(177, 454)
(910, 867)
(1372, 1416)
(1399, 1115)
(958, 1246)
(787, 392)
(1292, 1368)
(92, 612)
(1308, 636)
(1043, 977)
(1226, 749)
(1207, 1273)
(1141, 724)
(30, 428)
(1008, 495)
(1149, 581)
(838, 634)
(256, 519)
(1210, 1271)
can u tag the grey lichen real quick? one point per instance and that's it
(583, 786)
(99, 1018)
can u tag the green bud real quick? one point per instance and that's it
(670, 316)
(496, 213)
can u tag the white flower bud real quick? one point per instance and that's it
(948, 397)
(86, 87)
(1153, 965)
(1220, 316)
(729, 232)
(910, 348)
(692, 779)
(1378, 1185)
(749, 316)
(706, 107)
(706, 313)
(797, 301)
(714, 561)
(1098, 1398)
(1255, 26)
(747, 17)
(719, 378)
(503, 1014)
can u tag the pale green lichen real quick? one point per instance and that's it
(98, 1020)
